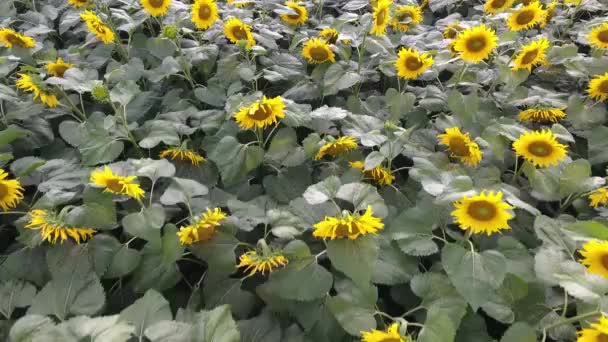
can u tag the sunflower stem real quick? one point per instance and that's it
(516, 171)
(572, 319)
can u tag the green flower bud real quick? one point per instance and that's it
(170, 31)
(100, 93)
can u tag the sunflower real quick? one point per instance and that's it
(379, 174)
(495, 6)
(205, 14)
(540, 148)
(11, 38)
(348, 225)
(599, 196)
(97, 27)
(532, 55)
(527, 17)
(261, 113)
(52, 228)
(390, 335)
(574, 2)
(182, 154)
(597, 332)
(317, 51)
(382, 16)
(598, 87)
(595, 257)
(58, 67)
(461, 146)
(263, 262)
(410, 64)
(406, 15)
(203, 227)
(550, 13)
(598, 37)
(236, 31)
(78, 3)
(239, 3)
(483, 213)
(337, 147)
(299, 18)
(476, 44)
(156, 8)
(542, 115)
(31, 84)
(329, 34)
(11, 192)
(116, 184)
(452, 30)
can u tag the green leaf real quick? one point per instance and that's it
(146, 224)
(228, 291)
(598, 145)
(15, 294)
(519, 332)
(124, 92)
(323, 191)
(464, 107)
(218, 253)
(286, 283)
(355, 258)
(146, 311)
(234, 160)
(354, 306)
(337, 78)
(9, 135)
(28, 327)
(591, 229)
(217, 325)
(575, 178)
(183, 190)
(392, 266)
(100, 329)
(437, 327)
(413, 229)
(154, 169)
(362, 195)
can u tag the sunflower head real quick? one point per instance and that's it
(452, 30)
(10, 38)
(379, 174)
(382, 16)
(262, 260)
(239, 3)
(542, 115)
(596, 332)
(483, 213)
(11, 191)
(156, 8)
(410, 63)
(532, 55)
(78, 3)
(32, 84)
(598, 37)
(300, 15)
(461, 146)
(58, 67)
(540, 148)
(317, 51)
(52, 227)
(476, 44)
(205, 14)
(495, 6)
(598, 87)
(100, 93)
(337, 147)
(97, 27)
(202, 228)
(182, 155)
(236, 31)
(527, 17)
(599, 197)
(595, 257)
(261, 114)
(329, 34)
(348, 225)
(405, 16)
(390, 335)
(116, 184)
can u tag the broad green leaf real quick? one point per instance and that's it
(146, 311)
(575, 178)
(182, 190)
(464, 107)
(323, 191)
(437, 327)
(100, 329)
(228, 291)
(15, 294)
(234, 160)
(29, 326)
(413, 229)
(598, 145)
(217, 325)
(10, 134)
(591, 229)
(393, 267)
(145, 224)
(170, 331)
(154, 169)
(362, 195)
(218, 253)
(355, 258)
(286, 282)
(519, 332)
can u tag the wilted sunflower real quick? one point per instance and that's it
(78, 3)
(390, 335)
(329, 34)
(182, 154)
(452, 30)
(461, 146)
(300, 17)
(205, 14)
(30, 84)
(116, 184)
(410, 63)
(599, 196)
(542, 115)
(483, 213)
(532, 55)
(405, 16)
(476, 44)
(203, 228)
(11, 38)
(11, 192)
(540, 148)
(262, 262)
(235, 30)
(527, 17)
(97, 27)
(382, 16)
(53, 228)
(261, 113)
(348, 225)
(381, 175)
(337, 147)
(495, 6)
(598, 37)
(58, 67)
(595, 257)
(597, 332)
(156, 8)
(317, 51)
(598, 87)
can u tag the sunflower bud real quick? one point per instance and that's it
(100, 93)
(170, 31)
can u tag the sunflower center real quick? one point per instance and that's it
(529, 57)
(482, 210)
(540, 149)
(295, 16)
(381, 18)
(3, 190)
(319, 54)
(204, 12)
(156, 3)
(604, 87)
(261, 112)
(525, 16)
(114, 185)
(603, 36)
(239, 33)
(343, 230)
(60, 70)
(602, 338)
(404, 16)
(476, 44)
(205, 233)
(498, 3)
(13, 39)
(459, 147)
(413, 63)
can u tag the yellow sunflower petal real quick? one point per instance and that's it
(382, 16)
(156, 8)
(461, 146)
(10, 38)
(337, 147)
(205, 14)
(116, 184)
(540, 148)
(476, 44)
(261, 113)
(97, 27)
(598, 37)
(406, 16)
(410, 63)
(317, 51)
(11, 191)
(527, 17)
(58, 67)
(391, 334)
(495, 6)
(483, 213)
(542, 115)
(348, 226)
(532, 55)
(598, 87)
(236, 31)
(179, 154)
(299, 17)
(595, 257)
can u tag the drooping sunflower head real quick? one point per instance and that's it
(205, 14)
(595, 257)
(58, 67)
(261, 113)
(236, 31)
(183, 155)
(406, 16)
(410, 63)
(262, 260)
(348, 225)
(300, 15)
(52, 227)
(10, 38)
(32, 84)
(337, 147)
(598, 87)
(532, 55)
(527, 17)
(599, 197)
(540, 148)
(116, 184)
(97, 27)
(596, 332)
(495, 6)
(379, 174)
(484, 213)
(202, 228)
(476, 44)
(542, 115)
(452, 30)
(390, 335)
(317, 51)
(11, 191)
(382, 16)
(461, 146)
(78, 3)
(156, 8)
(598, 37)
(329, 34)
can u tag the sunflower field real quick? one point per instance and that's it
(303, 170)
